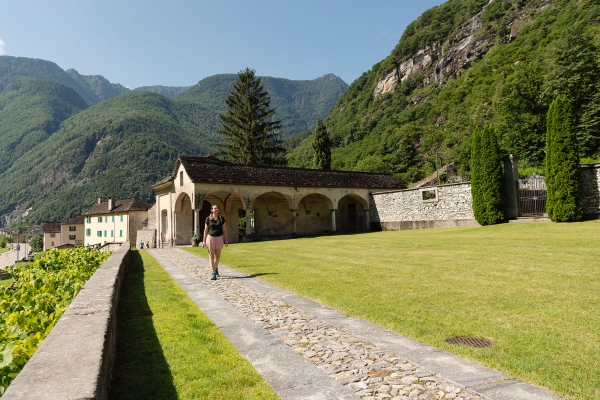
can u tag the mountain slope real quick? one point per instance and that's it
(97, 85)
(298, 103)
(169, 91)
(466, 64)
(118, 147)
(31, 110)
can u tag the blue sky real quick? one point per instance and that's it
(148, 42)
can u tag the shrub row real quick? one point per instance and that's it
(40, 294)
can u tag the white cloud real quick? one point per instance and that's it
(2, 46)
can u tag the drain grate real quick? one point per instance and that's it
(469, 341)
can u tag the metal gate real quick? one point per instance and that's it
(532, 196)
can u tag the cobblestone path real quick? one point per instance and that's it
(369, 371)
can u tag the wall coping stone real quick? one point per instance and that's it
(424, 187)
(75, 359)
(595, 165)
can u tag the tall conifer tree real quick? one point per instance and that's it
(563, 201)
(251, 135)
(322, 147)
(486, 177)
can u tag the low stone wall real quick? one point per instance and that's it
(75, 360)
(439, 207)
(590, 190)
(148, 236)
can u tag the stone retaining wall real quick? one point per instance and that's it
(590, 190)
(75, 360)
(450, 206)
(148, 236)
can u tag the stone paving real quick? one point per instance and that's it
(371, 372)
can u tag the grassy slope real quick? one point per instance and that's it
(168, 349)
(532, 289)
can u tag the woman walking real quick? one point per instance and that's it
(215, 236)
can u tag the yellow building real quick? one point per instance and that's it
(115, 221)
(51, 232)
(72, 231)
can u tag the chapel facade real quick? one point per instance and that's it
(281, 202)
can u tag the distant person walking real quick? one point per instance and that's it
(141, 245)
(215, 236)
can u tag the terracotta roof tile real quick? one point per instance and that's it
(212, 170)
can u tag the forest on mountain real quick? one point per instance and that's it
(462, 66)
(67, 139)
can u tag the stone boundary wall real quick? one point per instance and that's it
(590, 190)
(148, 236)
(75, 360)
(451, 206)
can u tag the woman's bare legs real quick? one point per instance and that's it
(214, 256)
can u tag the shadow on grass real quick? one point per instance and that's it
(140, 370)
(255, 275)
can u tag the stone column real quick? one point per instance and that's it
(333, 229)
(511, 185)
(293, 221)
(367, 220)
(249, 236)
(196, 221)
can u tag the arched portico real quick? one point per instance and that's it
(230, 204)
(184, 219)
(272, 216)
(353, 214)
(313, 215)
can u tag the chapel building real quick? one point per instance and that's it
(281, 202)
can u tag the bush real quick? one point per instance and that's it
(40, 294)
(486, 177)
(563, 202)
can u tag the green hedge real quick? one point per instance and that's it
(44, 290)
(486, 177)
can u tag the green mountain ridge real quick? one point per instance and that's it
(57, 154)
(466, 64)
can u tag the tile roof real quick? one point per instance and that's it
(212, 170)
(124, 205)
(50, 227)
(80, 220)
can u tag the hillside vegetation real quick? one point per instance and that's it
(67, 138)
(464, 65)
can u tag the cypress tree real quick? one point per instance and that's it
(486, 179)
(475, 150)
(251, 136)
(563, 201)
(322, 147)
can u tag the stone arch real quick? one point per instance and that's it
(313, 215)
(230, 204)
(184, 219)
(352, 214)
(272, 215)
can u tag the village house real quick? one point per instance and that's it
(73, 231)
(115, 221)
(282, 202)
(51, 232)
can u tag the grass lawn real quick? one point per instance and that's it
(168, 349)
(532, 289)
(4, 250)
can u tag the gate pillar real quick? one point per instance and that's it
(511, 185)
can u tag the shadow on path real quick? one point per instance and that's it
(140, 370)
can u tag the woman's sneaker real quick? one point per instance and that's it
(217, 272)
(214, 276)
